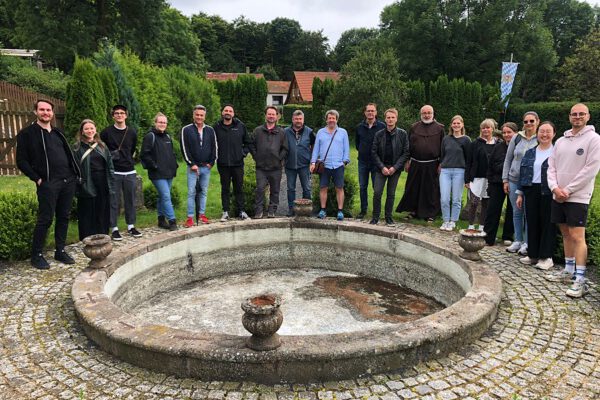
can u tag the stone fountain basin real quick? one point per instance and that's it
(471, 291)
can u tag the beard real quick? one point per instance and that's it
(427, 121)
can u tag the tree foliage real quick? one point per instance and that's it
(322, 92)
(247, 94)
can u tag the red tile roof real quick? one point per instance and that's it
(303, 80)
(278, 86)
(225, 76)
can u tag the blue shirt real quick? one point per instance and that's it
(339, 153)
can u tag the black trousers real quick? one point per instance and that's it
(494, 212)
(379, 183)
(93, 213)
(228, 176)
(273, 179)
(541, 233)
(55, 198)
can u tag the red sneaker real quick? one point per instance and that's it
(189, 222)
(203, 219)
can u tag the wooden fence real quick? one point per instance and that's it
(16, 112)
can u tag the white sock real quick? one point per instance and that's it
(130, 226)
(116, 229)
(570, 265)
(579, 273)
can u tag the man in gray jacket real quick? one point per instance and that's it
(268, 147)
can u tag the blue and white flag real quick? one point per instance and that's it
(509, 71)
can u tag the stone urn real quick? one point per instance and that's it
(262, 318)
(303, 208)
(97, 248)
(471, 241)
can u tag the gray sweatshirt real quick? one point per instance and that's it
(514, 154)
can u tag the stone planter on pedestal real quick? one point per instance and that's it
(262, 318)
(97, 248)
(303, 208)
(471, 240)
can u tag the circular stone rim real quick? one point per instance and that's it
(218, 356)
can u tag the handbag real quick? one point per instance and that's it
(116, 154)
(320, 164)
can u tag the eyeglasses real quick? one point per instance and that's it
(119, 113)
(578, 114)
(529, 121)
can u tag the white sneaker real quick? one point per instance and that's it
(451, 225)
(545, 264)
(507, 242)
(514, 247)
(562, 276)
(244, 216)
(471, 227)
(225, 216)
(523, 250)
(577, 289)
(527, 261)
(444, 226)
(480, 228)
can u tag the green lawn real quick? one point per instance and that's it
(146, 218)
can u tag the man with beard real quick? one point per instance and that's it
(422, 192)
(232, 147)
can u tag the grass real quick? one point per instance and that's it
(147, 218)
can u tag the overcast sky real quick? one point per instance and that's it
(332, 16)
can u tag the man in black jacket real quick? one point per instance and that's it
(389, 153)
(268, 147)
(43, 154)
(121, 140)
(365, 133)
(232, 145)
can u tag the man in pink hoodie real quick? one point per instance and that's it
(572, 169)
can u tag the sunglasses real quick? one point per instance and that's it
(529, 121)
(578, 114)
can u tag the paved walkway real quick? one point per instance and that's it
(543, 345)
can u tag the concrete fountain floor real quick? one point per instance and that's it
(542, 345)
(315, 302)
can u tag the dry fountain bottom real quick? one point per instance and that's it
(357, 299)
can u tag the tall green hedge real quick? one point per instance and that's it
(557, 112)
(248, 95)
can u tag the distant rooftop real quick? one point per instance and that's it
(19, 52)
(225, 76)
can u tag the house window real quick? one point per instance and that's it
(277, 100)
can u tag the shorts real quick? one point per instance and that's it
(337, 174)
(571, 214)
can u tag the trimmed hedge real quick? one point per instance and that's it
(350, 190)
(557, 112)
(151, 197)
(18, 213)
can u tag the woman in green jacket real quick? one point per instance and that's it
(93, 194)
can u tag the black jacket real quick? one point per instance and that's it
(268, 148)
(87, 188)
(158, 156)
(364, 139)
(399, 148)
(32, 157)
(232, 143)
(477, 164)
(112, 137)
(496, 162)
(194, 152)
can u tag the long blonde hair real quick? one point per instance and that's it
(463, 131)
(79, 134)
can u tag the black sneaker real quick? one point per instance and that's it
(38, 261)
(172, 225)
(290, 213)
(361, 215)
(374, 221)
(389, 221)
(116, 236)
(63, 257)
(162, 222)
(134, 232)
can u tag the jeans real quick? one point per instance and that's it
(203, 176)
(392, 183)
(125, 184)
(164, 206)
(452, 181)
(304, 175)
(54, 199)
(518, 214)
(364, 169)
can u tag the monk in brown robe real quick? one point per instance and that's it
(422, 192)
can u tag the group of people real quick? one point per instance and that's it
(547, 185)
